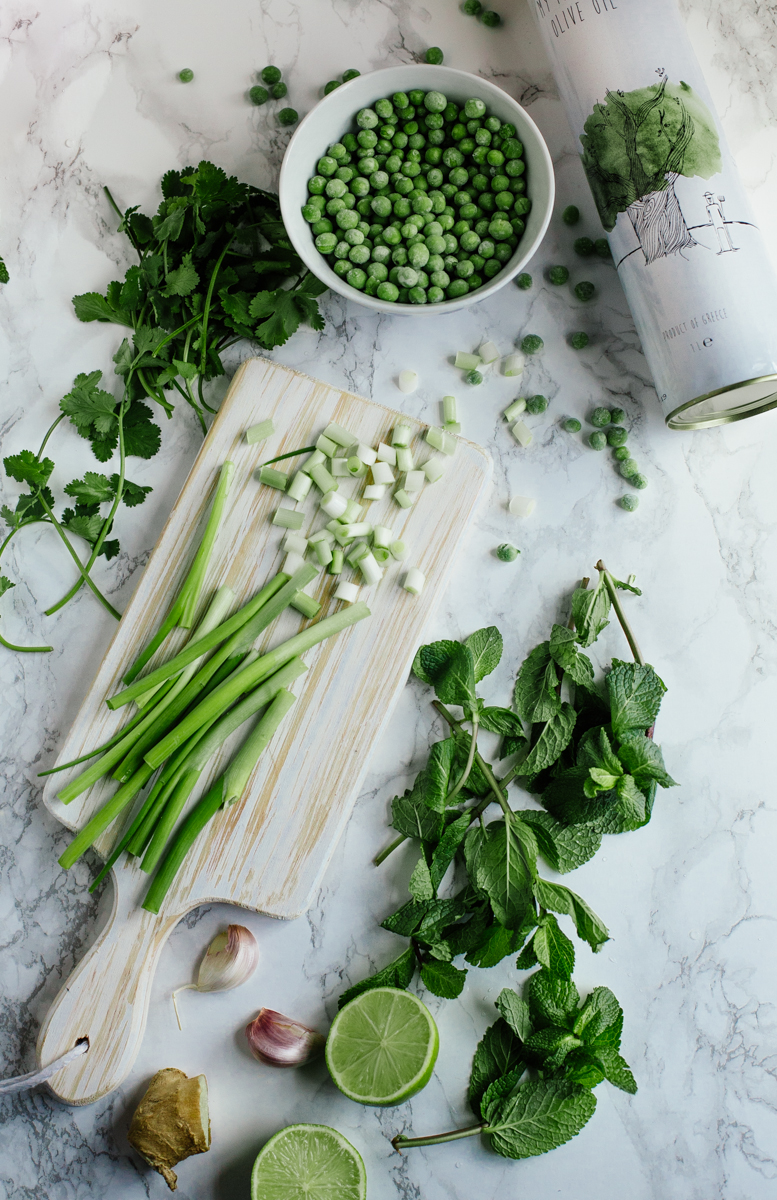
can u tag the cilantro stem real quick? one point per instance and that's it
(402, 1143)
(175, 333)
(206, 308)
(615, 600)
(25, 649)
(85, 578)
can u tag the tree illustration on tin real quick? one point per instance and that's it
(635, 145)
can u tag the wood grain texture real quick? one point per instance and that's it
(267, 852)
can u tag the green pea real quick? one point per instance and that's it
(512, 148)
(326, 242)
(584, 290)
(473, 8)
(602, 248)
(350, 74)
(502, 252)
(557, 276)
(357, 278)
(258, 94)
(367, 118)
(321, 226)
(600, 417)
(524, 281)
(440, 279)
(278, 90)
(499, 229)
(506, 552)
(578, 341)
(347, 219)
(387, 291)
(572, 425)
(571, 215)
(492, 267)
(457, 288)
(617, 435)
(360, 255)
(473, 378)
(331, 85)
(417, 295)
(270, 75)
(629, 503)
(532, 344)
(474, 108)
(621, 454)
(597, 440)
(342, 250)
(400, 100)
(617, 416)
(629, 467)
(536, 405)
(187, 75)
(583, 246)
(342, 267)
(638, 481)
(492, 19)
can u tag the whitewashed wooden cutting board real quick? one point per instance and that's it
(267, 852)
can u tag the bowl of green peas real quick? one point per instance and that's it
(416, 189)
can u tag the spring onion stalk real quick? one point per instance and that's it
(105, 815)
(514, 364)
(466, 362)
(368, 565)
(259, 432)
(293, 541)
(358, 529)
(404, 459)
(366, 453)
(288, 518)
(336, 433)
(307, 605)
(341, 538)
(433, 469)
(514, 410)
(289, 454)
(381, 554)
(382, 536)
(401, 435)
(124, 843)
(299, 487)
(273, 478)
(353, 512)
(165, 825)
(333, 504)
(488, 354)
(246, 679)
(404, 499)
(452, 427)
(226, 790)
(317, 459)
(398, 549)
(375, 491)
(347, 592)
(382, 473)
(414, 481)
(522, 434)
(336, 565)
(188, 598)
(449, 412)
(323, 479)
(355, 553)
(325, 446)
(407, 381)
(387, 454)
(414, 581)
(356, 468)
(323, 552)
(440, 440)
(339, 468)
(522, 506)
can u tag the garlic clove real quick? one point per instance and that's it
(231, 959)
(281, 1041)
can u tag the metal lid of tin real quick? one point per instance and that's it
(727, 404)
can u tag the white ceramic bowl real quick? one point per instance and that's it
(333, 116)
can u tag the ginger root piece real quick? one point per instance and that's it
(171, 1122)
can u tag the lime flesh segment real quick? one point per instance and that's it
(308, 1162)
(382, 1047)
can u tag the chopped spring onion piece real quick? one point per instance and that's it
(336, 433)
(374, 491)
(356, 468)
(366, 454)
(369, 568)
(336, 565)
(353, 512)
(515, 409)
(380, 554)
(340, 468)
(341, 538)
(306, 605)
(323, 552)
(258, 433)
(434, 469)
(401, 435)
(334, 526)
(449, 412)
(322, 535)
(333, 504)
(414, 581)
(488, 353)
(452, 427)
(273, 478)
(292, 562)
(346, 591)
(325, 446)
(317, 459)
(288, 518)
(398, 549)
(522, 434)
(382, 473)
(299, 486)
(358, 529)
(404, 459)
(514, 364)
(355, 553)
(466, 362)
(322, 479)
(521, 506)
(387, 454)
(440, 440)
(404, 499)
(407, 382)
(382, 536)
(414, 481)
(295, 543)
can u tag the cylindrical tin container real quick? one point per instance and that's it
(691, 260)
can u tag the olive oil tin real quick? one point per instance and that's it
(689, 254)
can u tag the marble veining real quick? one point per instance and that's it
(89, 97)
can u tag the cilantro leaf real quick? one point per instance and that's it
(5, 582)
(89, 407)
(183, 280)
(26, 467)
(87, 527)
(443, 979)
(535, 695)
(635, 697)
(4, 276)
(397, 974)
(538, 1117)
(91, 306)
(485, 645)
(282, 317)
(133, 493)
(142, 438)
(92, 489)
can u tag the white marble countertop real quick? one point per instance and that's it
(89, 96)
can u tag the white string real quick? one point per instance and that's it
(22, 1082)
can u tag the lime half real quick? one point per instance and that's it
(382, 1047)
(308, 1162)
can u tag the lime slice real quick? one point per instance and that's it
(382, 1047)
(308, 1162)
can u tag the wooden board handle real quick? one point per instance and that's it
(106, 1000)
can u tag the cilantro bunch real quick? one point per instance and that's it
(215, 265)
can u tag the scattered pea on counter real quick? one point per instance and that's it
(558, 275)
(532, 344)
(271, 75)
(584, 290)
(572, 425)
(434, 56)
(583, 246)
(524, 281)
(601, 417)
(258, 94)
(536, 405)
(629, 503)
(571, 215)
(186, 75)
(578, 341)
(506, 552)
(597, 440)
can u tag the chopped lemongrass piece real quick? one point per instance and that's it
(440, 440)
(522, 434)
(366, 454)
(521, 506)
(353, 512)
(375, 491)
(273, 478)
(306, 605)
(514, 364)
(380, 554)
(358, 529)
(452, 427)
(340, 468)
(466, 362)
(407, 381)
(433, 469)
(347, 591)
(356, 552)
(404, 459)
(260, 432)
(449, 412)
(292, 563)
(325, 446)
(404, 499)
(370, 570)
(293, 542)
(336, 565)
(414, 581)
(387, 454)
(316, 459)
(398, 549)
(401, 435)
(299, 486)
(488, 353)
(322, 479)
(333, 504)
(414, 481)
(288, 518)
(341, 436)
(323, 552)
(382, 473)
(356, 468)
(382, 536)
(515, 409)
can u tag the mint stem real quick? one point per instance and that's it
(614, 598)
(379, 858)
(499, 795)
(402, 1143)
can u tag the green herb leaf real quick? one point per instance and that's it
(454, 683)
(504, 869)
(535, 697)
(183, 280)
(498, 1052)
(515, 1012)
(133, 493)
(590, 610)
(564, 652)
(563, 847)
(87, 527)
(562, 899)
(411, 815)
(635, 697)
(91, 306)
(485, 645)
(445, 850)
(406, 919)
(437, 773)
(555, 737)
(435, 656)
(644, 760)
(142, 438)
(26, 467)
(553, 948)
(538, 1117)
(552, 1045)
(494, 944)
(552, 999)
(443, 979)
(616, 1070)
(600, 1020)
(89, 407)
(397, 974)
(92, 489)
(502, 721)
(4, 276)
(5, 582)
(420, 885)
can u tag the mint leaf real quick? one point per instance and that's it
(431, 659)
(497, 1091)
(581, 1067)
(412, 816)
(635, 697)
(493, 945)
(397, 974)
(553, 948)
(527, 958)
(644, 760)
(406, 919)
(535, 695)
(632, 808)
(616, 1070)
(454, 683)
(552, 1045)
(564, 847)
(562, 899)
(515, 1012)
(504, 868)
(502, 721)
(498, 1052)
(439, 913)
(437, 773)
(600, 1020)
(590, 610)
(443, 979)
(445, 850)
(420, 885)
(538, 1117)
(485, 645)
(26, 467)
(564, 652)
(552, 999)
(555, 737)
